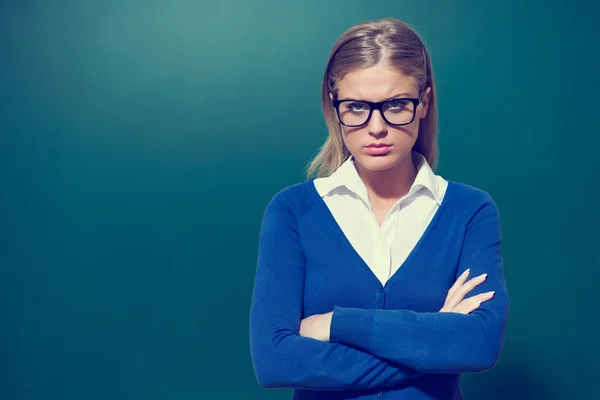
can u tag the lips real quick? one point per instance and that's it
(378, 149)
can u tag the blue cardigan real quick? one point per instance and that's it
(387, 341)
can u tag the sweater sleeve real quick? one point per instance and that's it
(280, 356)
(435, 342)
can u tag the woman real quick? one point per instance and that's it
(377, 278)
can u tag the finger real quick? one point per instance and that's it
(473, 303)
(459, 282)
(484, 296)
(466, 307)
(473, 283)
(462, 291)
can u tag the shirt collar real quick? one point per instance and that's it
(425, 178)
(347, 176)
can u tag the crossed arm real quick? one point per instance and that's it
(364, 350)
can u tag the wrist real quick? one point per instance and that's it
(328, 317)
(351, 326)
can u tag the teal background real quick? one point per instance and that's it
(141, 140)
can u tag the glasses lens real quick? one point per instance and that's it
(399, 111)
(353, 112)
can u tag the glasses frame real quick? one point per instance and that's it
(377, 106)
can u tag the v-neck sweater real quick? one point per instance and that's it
(386, 341)
(384, 244)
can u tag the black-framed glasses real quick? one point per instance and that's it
(396, 112)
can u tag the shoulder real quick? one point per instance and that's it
(470, 201)
(294, 199)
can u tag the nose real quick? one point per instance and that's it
(377, 125)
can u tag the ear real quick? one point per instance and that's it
(331, 95)
(425, 103)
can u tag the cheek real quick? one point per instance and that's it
(412, 130)
(351, 137)
(405, 134)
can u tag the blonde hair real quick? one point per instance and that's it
(367, 44)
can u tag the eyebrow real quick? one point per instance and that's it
(396, 96)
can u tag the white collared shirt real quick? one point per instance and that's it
(384, 249)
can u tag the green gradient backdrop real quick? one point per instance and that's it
(141, 140)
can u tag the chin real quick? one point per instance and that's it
(378, 163)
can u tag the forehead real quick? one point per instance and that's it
(375, 84)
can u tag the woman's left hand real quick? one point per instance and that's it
(316, 326)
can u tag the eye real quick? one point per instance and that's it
(397, 103)
(355, 107)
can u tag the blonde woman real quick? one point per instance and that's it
(377, 278)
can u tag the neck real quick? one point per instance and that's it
(390, 184)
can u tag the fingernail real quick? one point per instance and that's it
(483, 275)
(467, 271)
(492, 292)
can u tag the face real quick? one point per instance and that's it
(375, 84)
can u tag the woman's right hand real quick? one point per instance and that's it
(456, 302)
